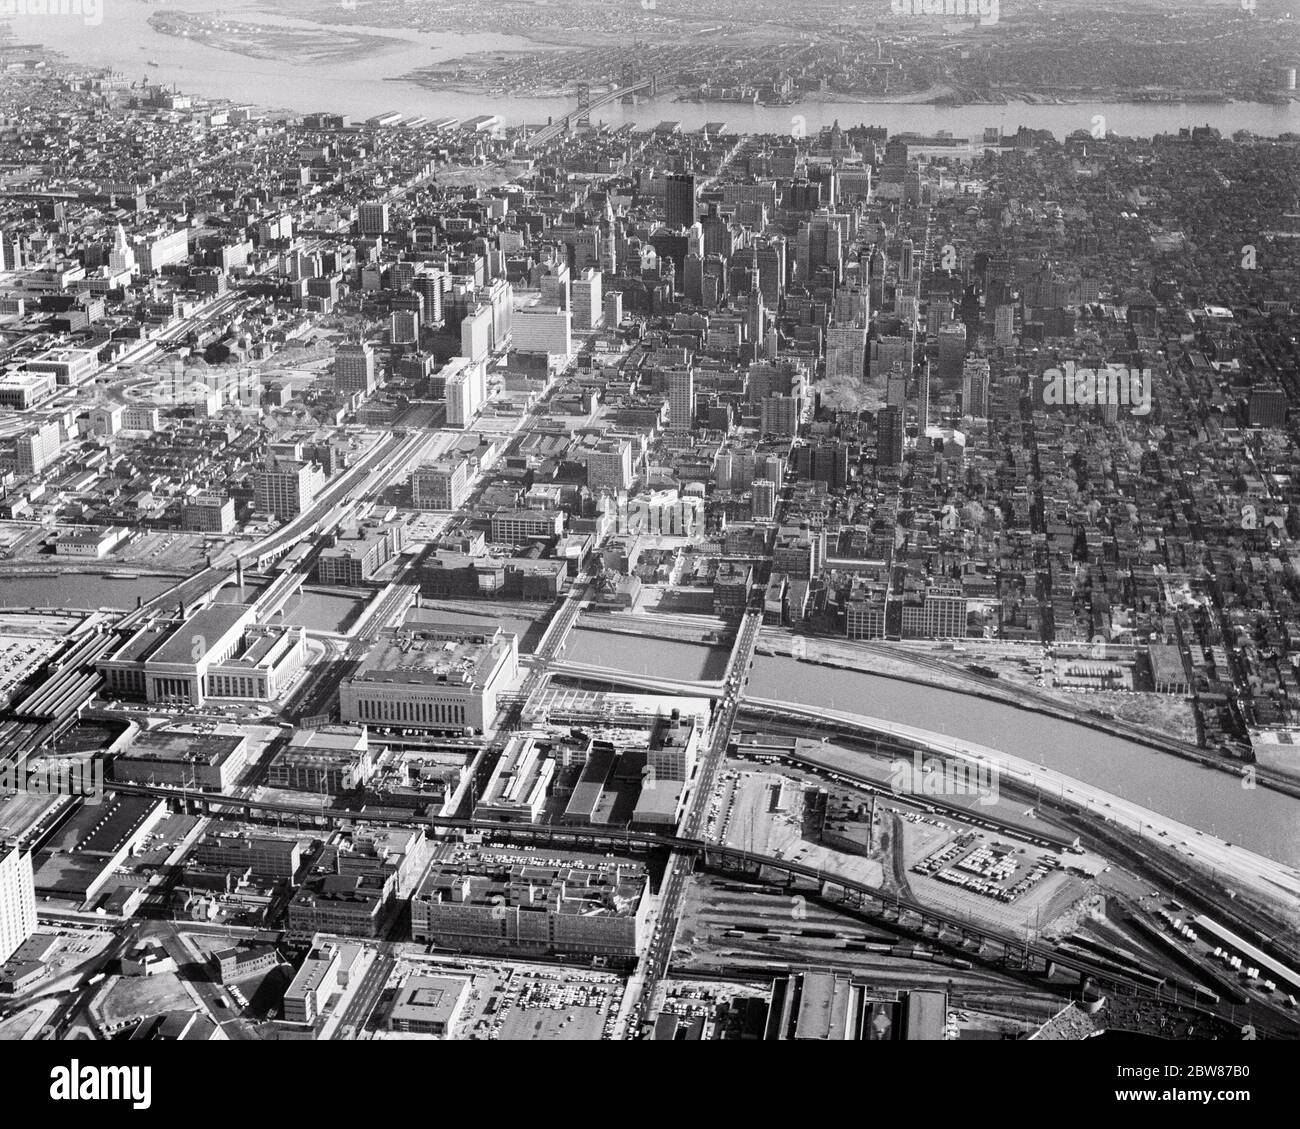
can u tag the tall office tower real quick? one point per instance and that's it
(824, 460)
(17, 900)
(609, 466)
(846, 351)
(286, 488)
(681, 398)
(896, 387)
(373, 219)
(693, 278)
(722, 470)
(780, 415)
(719, 237)
(803, 196)
(587, 311)
(476, 334)
(771, 467)
(613, 309)
(852, 306)
(1004, 324)
(876, 273)
(120, 258)
(820, 243)
(1267, 406)
(769, 258)
(543, 329)
(442, 484)
(907, 304)
(680, 205)
(975, 388)
(825, 176)
(553, 282)
(756, 322)
(912, 187)
(885, 353)
(895, 163)
(430, 286)
(465, 389)
(889, 437)
(404, 327)
(713, 283)
(35, 449)
(695, 239)
(923, 398)
(952, 350)
(354, 368)
(763, 506)
(608, 248)
(905, 264)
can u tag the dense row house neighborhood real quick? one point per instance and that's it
(878, 386)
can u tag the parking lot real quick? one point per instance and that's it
(527, 1001)
(1036, 904)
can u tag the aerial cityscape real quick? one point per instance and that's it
(627, 520)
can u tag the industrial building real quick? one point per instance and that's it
(516, 790)
(506, 901)
(827, 1004)
(184, 758)
(332, 761)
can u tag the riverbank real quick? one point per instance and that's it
(1269, 878)
(973, 686)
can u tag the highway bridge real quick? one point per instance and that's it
(592, 672)
(582, 113)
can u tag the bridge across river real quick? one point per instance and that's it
(582, 113)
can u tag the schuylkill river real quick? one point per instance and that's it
(1263, 820)
(362, 87)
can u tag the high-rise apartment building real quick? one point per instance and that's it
(17, 900)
